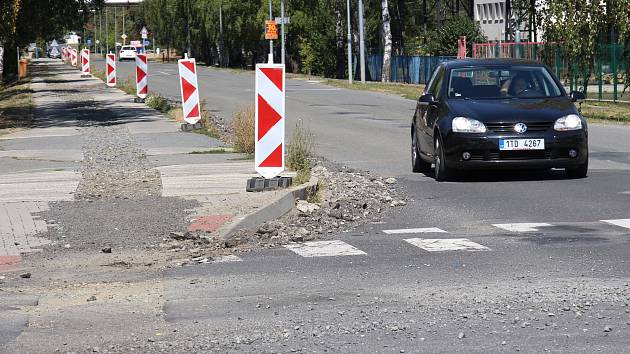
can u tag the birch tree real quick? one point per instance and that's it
(387, 37)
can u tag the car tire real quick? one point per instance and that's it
(578, 172)
(417, 163)
(442, 172)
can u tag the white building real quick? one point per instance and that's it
(491, 17)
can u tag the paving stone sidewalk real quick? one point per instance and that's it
(90, 142)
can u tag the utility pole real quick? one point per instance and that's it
(106, 33)
(94, 11)
(100, 31)
(282, 29)
(270, 41)
(361, 41)
(115, 29)
(221, 35)
(123, 30)
(349, 44)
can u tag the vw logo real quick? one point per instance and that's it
(520, 128)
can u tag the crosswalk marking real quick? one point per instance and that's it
(452, 244)
(521, 227)
(415, 231)
(324, 249)
(619, 222)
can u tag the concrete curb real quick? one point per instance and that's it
(273, 210)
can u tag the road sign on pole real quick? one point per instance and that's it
(144, 32)
(111, 70)
(85, 63)
(189, 90)
(142, 80)
(270, 106)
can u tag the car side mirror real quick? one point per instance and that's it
(577, 96)
(427, 99)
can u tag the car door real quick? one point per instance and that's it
(428, 111)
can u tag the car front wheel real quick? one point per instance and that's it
(578, 172)
(442, 172)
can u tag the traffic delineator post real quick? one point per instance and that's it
(110, 64)
(270, 124)
(63, 54)
(73, 57)
(85, 63)
(142, 79)
(189, 89)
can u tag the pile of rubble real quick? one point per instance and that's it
(346, 200)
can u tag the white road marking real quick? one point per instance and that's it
(324, 249)
(521, 227)
(628, 192)
(619, 222)
(312, 89)
(165, 73)
(423, 230)
(452, 244)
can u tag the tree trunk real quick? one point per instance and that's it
(9, 61)
(339, 40)
(387, 37)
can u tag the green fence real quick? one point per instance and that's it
(606, 78)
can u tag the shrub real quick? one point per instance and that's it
(244, 130)
(300, 152)
(158, 102)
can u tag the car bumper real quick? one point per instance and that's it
(485, 153)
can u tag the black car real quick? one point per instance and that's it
(497, 113)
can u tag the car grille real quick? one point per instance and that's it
(496, 155)
(509, 127)
(519, 155)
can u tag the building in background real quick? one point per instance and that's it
(509, 21)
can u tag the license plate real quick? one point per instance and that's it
(521, 144)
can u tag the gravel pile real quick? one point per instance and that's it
(347, 200)
(114, 166)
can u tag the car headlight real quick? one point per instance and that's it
(570, 122)
(468, 125)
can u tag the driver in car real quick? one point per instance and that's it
(515, 86)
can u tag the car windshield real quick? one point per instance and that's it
(502, 82)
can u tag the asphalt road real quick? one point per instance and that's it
(525, 261)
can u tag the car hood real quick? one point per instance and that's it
(507, 110)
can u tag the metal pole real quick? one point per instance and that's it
(100, 32)
(106, 33)
(115, 29)
(123, 30)
(349, 44)
(270, 41)
(361, 41)
(94, 31)
(282, 29)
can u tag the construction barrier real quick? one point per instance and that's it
(73, 57)
(142, 80)
(111, 70)
(85, 62)
(270, 109)
(189, 90)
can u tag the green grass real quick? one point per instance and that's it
(606, 112)
(213, 151)
(16, 106)
(408, 91)
(246, 157)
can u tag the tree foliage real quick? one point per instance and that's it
(443, 41)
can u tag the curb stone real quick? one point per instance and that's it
(272, 210)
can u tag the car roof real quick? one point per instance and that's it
(460, 63)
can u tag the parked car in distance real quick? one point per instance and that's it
(497, 113)
(127, 52)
